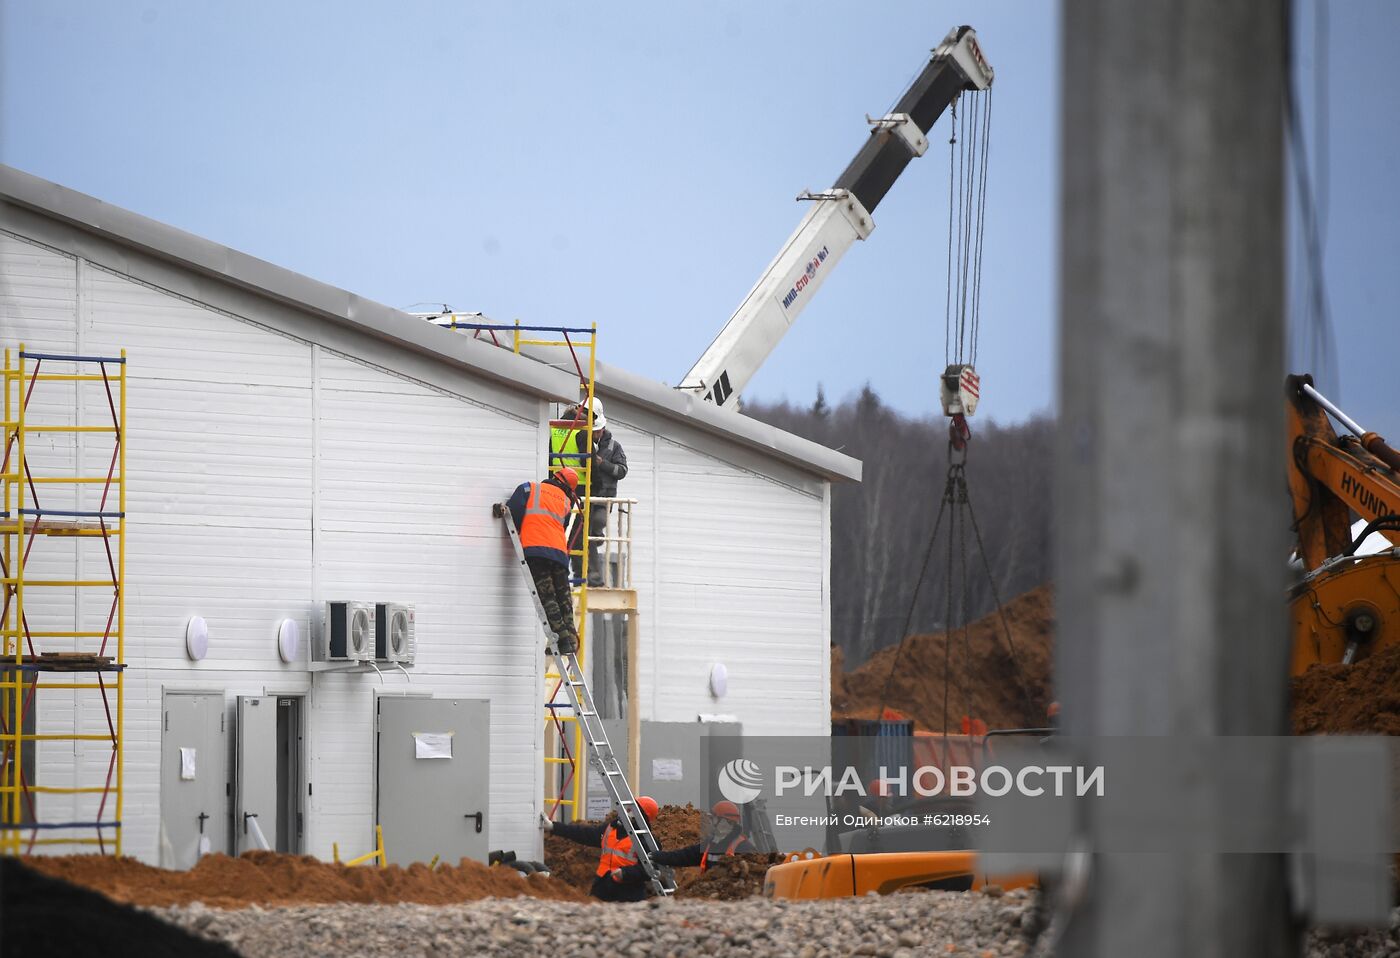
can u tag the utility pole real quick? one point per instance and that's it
(1173, 524)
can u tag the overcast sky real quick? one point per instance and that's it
(635, 164)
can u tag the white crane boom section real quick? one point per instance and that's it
(836, 220)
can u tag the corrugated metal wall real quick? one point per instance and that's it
(743, 583)
(264, 471)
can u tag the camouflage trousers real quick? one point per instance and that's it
(552, 583)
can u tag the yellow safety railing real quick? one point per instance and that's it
(26, 517)
(377, 854)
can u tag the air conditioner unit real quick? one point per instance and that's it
(394, 640)
(347, 632)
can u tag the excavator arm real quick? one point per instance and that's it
(1344, 606)
(1332, 476)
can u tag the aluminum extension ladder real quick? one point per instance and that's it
(600, 751)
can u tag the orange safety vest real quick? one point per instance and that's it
(739, 839)
(546, 512)
(617, 852)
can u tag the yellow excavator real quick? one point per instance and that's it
(1345, 605)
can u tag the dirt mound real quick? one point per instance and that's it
(44, 916)
(986, 681)
(1363, 698)
(726, 879)
(1332, 699)
(570, 863)
(265, 878)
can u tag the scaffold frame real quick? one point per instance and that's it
(24, 665)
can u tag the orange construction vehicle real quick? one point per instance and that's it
(1346, 606)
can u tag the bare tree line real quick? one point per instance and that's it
(881, 527)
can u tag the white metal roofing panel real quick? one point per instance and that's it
(248, 450)
(406, 477)
(744, 589)
(38, 296)
(172, 338)
(38, 307)
(728, 566)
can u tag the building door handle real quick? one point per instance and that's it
(477, 816)
(202, 817)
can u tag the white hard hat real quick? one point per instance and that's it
(599, 420)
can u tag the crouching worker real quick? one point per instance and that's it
(620, 876)
(541, 511)
(726, 838)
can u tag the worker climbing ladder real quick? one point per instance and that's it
(571, 349)
(600, 750)
(578, 346)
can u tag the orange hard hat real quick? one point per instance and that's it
(567, 475)
(648, 806)
(726, 810)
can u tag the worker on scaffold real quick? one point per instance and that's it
(620, 877)
(541, 511)
(608, 467)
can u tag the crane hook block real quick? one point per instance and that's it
(960, 387)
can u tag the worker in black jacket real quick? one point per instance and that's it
(620, 877)
(608, 467)
(727, 838)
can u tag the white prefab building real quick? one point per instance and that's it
(289, 443)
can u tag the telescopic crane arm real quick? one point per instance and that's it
(838, 218)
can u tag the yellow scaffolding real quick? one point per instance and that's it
(564, 772)
(24, 520)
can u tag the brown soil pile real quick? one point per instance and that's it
(726, 879)
(1363, 698)
(985, 682)
(267, 878)
(570, 863)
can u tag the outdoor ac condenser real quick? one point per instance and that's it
(347, 632)
(394, 640)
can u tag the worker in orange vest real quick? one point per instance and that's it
(620, 876)
(726, 838)
(541, 511)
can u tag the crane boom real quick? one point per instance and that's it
(838, 218)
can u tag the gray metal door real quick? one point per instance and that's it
(434, 758)
(255, 781)
(193, 775)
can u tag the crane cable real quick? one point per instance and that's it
(969, 149)
(968, 157)
(956, 495)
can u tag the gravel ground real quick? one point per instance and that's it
(1341, 943)
(896, 926)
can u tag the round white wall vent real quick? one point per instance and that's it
(196, 638)
(288, 640)
(719, 680)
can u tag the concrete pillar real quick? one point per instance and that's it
(1173, 521)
